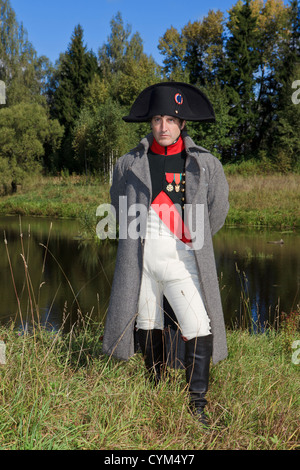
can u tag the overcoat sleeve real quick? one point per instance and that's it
(118, 187)
(217, 198)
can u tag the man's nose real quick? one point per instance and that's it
(164, 126)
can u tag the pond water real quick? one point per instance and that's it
(46, 268)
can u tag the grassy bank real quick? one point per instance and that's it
(58, 392)
(258, 199)
(62, 197)
(267, 200)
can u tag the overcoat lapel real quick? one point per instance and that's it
(192, 170)
(192, 179)
(140, 166)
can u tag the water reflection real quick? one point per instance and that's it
(50, 273)
(260, 279)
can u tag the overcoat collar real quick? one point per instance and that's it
(140, 165)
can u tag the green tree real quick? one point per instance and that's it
(138, 72)
(23, 72)
(99, 133)
(204, 48)
(286, 128)
(286, 148)
(26, 130)
(75, 70)
(278, 30)
(194, 54)
(215, 137)
(85, 152)
(111, 54)
(112, 136)
(101, 136)
(124, 67)
(173, 47)
(96, 93)
(272, 33)
(241, 66)
(290, 54)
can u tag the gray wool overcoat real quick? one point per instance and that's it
(205, 184)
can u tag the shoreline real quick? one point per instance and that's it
(270, 201)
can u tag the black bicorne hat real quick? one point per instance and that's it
(176, 99)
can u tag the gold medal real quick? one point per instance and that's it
(170, 188)
(177, 178)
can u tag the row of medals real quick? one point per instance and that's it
(170, 186)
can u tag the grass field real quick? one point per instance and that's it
(270, 200)
(59, 392)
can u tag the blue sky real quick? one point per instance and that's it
(50, 24)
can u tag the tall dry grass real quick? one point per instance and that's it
(60, 393)
(271, 200)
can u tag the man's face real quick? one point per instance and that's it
(166, 129)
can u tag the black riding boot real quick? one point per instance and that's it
(197, 356)
(152, 346)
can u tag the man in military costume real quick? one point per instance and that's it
(171, 260)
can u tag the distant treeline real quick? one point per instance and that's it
(68, 116)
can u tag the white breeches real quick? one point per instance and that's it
(170, 270)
